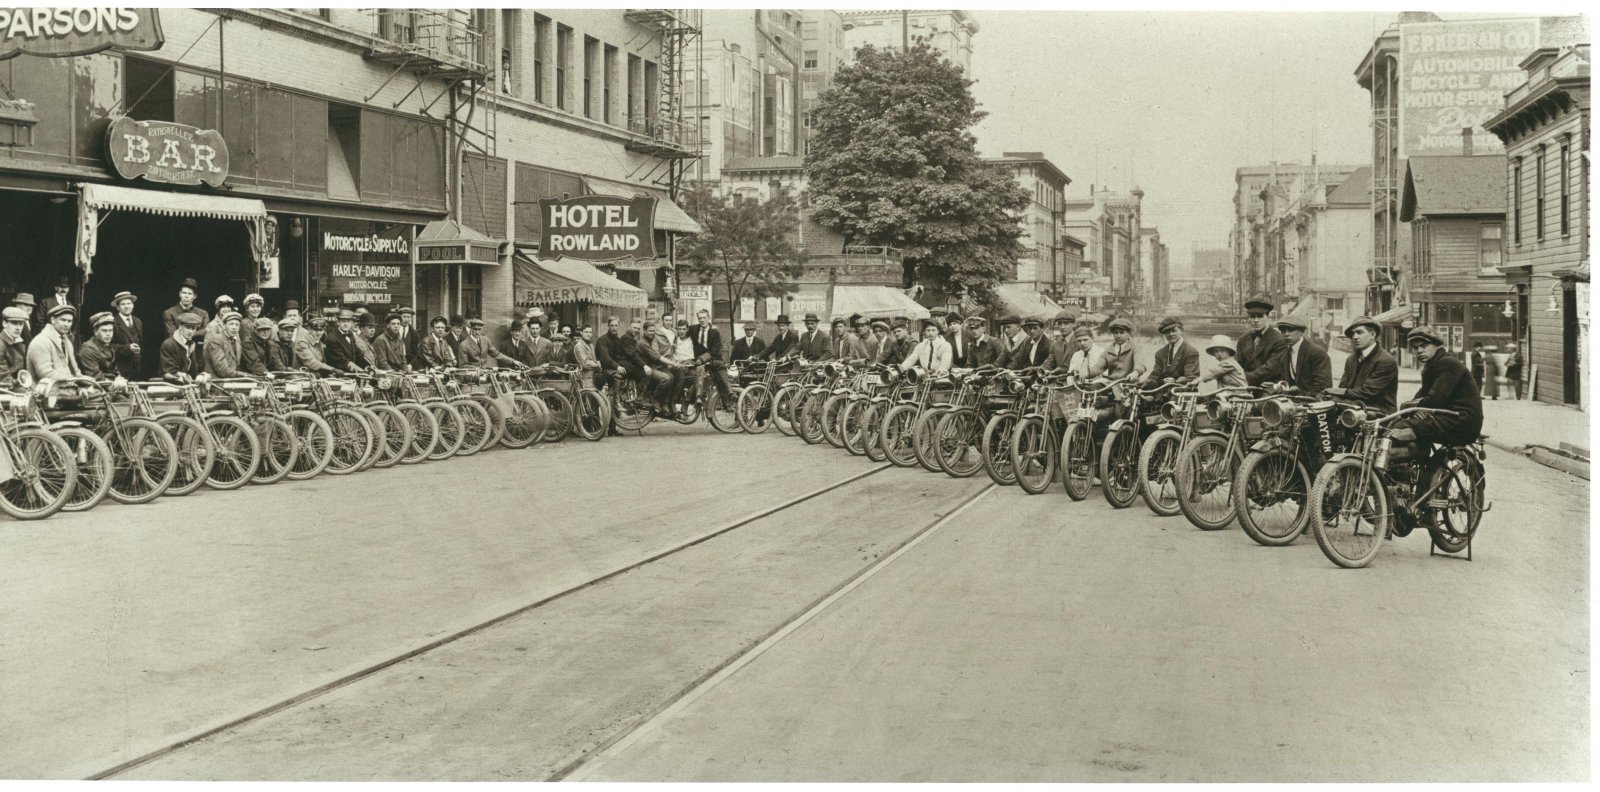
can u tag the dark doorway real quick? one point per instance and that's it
(38, 234)
(1571, 349)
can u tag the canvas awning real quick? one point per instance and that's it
(1394, 315)
(447, 241)
(669, 216)
(1026, 303)
(875, 302)
(545, 282)
(94, 199)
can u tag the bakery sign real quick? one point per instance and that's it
(61, 32)
(167, 152)
(598, 228)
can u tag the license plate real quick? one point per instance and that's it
(873, 380)
(1083, 413)
(1152, 420)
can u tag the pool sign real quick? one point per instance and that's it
(167, 152)
(598, 228)
(60, 32)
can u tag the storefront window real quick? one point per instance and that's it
(1491, 327)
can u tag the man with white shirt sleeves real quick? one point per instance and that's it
(1032, 350)
(931, 355)
(1306, 367)
(1175, 360)
(1087, 361)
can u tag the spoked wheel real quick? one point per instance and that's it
(527, 423)
(721, 413)
(755, 408)
(315, 438)
(238, 452)
(1032, 454)
(353, 442)
(452, 429)
(497, 419)
(895, 435)
(393, 437)
(960, 443)
(93, 459)
(872, 415)
(1158, 467)
(1077, 459)
(925, 436)
(1205, 482)
(629, 411)
(278, 449)
(477, 426)
(559, 407)
(375, 428)
(146, 459)
(996, 448)
(1350, 516)
(592, 415)
(783, 404)
(832, 415)
(196, 453)
(1453, 511)
(43, 475)
(1119, 467)
(850, 425)
(1269, 495)
(424, 432)
(808, 418)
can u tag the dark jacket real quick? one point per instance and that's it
(613, 354)
(253, 355)
(707, 342)
(280, 356)
(1261, 355)
(1312, 373)
(170, 318)
(895, 351)
(339, 352)
(177, 359)
(126, 361)
(1448, 385)
(389, 352)
(1185, 365)
(747, 348)
(815, 346)
(97, 360)
(962, 356)
(13, 358)
(1026, 356)
(782, 344)
(1373, 380)
(983, 353)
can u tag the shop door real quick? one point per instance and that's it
(1571, 348)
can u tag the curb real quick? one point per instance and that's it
(1544, 456)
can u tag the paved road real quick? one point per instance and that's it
(901, 626)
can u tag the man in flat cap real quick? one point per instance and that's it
(13, 350)
(186, 294)
(748, 346)
(281, 356)
(878, 338)
(1371, 377)
(436, 351)
(339, 344)
(815, 344)
(127, 332)
(24, 302)
(1261, 348)
(410, 338)
(983, 350)
(899, 345)
(180, 359)
(1306, 367)
(931, 356)
(1175, 359)
(389, 349)
(97, 358)
(255, 346)
(50, 353)
(477, 350)
(1120, 360)
(845, 344)
(1035, 348)
(223, 351)
(1011, 338)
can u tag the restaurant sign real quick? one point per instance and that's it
(60, 32)
(598, 228)
(167, 152)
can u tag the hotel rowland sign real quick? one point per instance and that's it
(60, 32)
(598, 228)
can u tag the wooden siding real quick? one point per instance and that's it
(1453, 243)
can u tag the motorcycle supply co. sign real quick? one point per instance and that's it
(598, 228)
(60, 32)
(167, 152)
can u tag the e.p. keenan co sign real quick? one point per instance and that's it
(598, 228)
(60, 32)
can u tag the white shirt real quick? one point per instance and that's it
(1080, 363)
(1294, 359)
(932, 356)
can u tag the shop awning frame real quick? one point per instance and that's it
(447, 241)
(1025, 302)
(1395, 315)
(545, 282)
(669, 215)
(875, 302)
(94, 200)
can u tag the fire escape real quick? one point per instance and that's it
(667, 137)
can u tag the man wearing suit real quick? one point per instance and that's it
(388, 350)
(410, 339)
(339, 348)
(708, 350)
(1011, 337)
(845, 345)
(983, 351)
(1370, 375)
(95, 358)
(898, 346)
(1261, 348)
(814, 344)
(61, 296)
(50, 353)
(186, 293)
(180, 361)
(435, 351)
(1034, 349)
(747, 347)
(1306, 367)
(1177, 359)
(785, 341)
(1120, 361)
(955, 334)
(871, 343)
(932, 355)
(224, 350)
(126, 334)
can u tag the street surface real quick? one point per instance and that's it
(839, 621)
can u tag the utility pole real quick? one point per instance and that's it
(905, 30)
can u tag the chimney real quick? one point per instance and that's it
(1466, 141)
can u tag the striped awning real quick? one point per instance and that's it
(172, 204)
(545, 282)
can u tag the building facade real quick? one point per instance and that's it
(1262, 195)
(948, 32)
(743, 86)
(1456, 209)
(822, 54)
(1546, 130)
(1040, 267)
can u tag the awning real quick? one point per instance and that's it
(1026, 303)
(544, 282)
(93, 199)
(875, 302)
(449, 242)
(1094, 317)
(669, 216)
(1394, 315)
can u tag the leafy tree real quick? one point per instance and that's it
(747, 245)
(893, 162)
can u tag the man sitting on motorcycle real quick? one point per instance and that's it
(1370, 376)
(1446, 385)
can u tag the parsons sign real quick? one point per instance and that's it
(598, 228)
(166, 152)
(59, 32)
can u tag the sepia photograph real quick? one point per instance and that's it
(1190, 394)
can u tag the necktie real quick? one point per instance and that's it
(958, 345)
(1294, 362)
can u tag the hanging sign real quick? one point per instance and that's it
(167, 152)
(60, 32)
(598, 228)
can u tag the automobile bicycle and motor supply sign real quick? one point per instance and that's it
(598, 228)
(60, 32)
(1455, 75)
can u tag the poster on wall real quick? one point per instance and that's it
(774, 307)
(363, 263)
(1455, 75)
(747, 309)
(268, 275)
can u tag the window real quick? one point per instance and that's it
(510, 46)
(147, 90)
(344, 151)
(811, 59)
(1566, 190)
(1538, 194)
(610, 67)
(1333, 303)
(1516, 201)
(1490, 248)
(591, 59)
(635, 82)
(541, 53)
(563, 59)
(651, 86)
(398, 25)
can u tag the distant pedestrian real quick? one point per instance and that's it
(1477, 363)
(1491, 377)
(1514, 370)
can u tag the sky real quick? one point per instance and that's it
(1174, 102)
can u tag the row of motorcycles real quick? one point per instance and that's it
(1277, 462)
(70, 444)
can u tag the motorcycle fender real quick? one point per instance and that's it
(215, 413)
(68, 423)
(1266, 444)
(880, 400)
(1198, 433)
(1339, 457)
(1117, 425)
(1006, 413)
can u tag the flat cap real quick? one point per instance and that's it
(254, 299)
(282, 323)
(1349, 329)
(747, 325)
(230, 316)
(1082, 332)
(405, 310)
(346, 313)
(14, 313)
(1122, 323)
(475, 322)
(188, 320)
(1258, 303)
(263, 323)
(1168, 323)
(1424, 333)
(224, 299)
(1291, 323)
(1009, 319)
(102, 318)
(1066, 316)
(1031, 322)
(879, 324)
(64, 308)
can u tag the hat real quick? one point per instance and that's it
(457, 320)
(189, 283)
(405, 310)
(291, 305)
(188, 320)
(516, 324)
(392, 316)
(840, 320)
(63, 308)
(1424, 333)
(901, 321)
(366, 319)
(282, 323)
(231, 316)
(13, 312)
(782, 319)
(438, 320)
(1122, 322)
(254, 298)
(749, 325)
(102, 318)
(475, 322)
(223, 298)
(24, 298)
(1030, 322)
(1008, 319)
(1066, 316)
(263, 323)
(952, 316)
(536, 311)
(976, 321)
(1082, 332)
(346, 313)
(856, 320)
(63, 281)
(1220, 341)
(1349, 329)
(122, 295)
(1291, 323)
(811, 317)
(878, 324)
(1168, 323)
(1258, 303)
(937, 311)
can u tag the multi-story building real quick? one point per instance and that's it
(1261, 192)
(1154, 276)
(822, 55)
(1456, 207)
(1546, 131)
(743, 86)
(1125, 213)
(1040, 267)
(948, 32)
(1209, 285)
(1311, 238)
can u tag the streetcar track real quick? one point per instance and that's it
(374, 668)
(625, 737)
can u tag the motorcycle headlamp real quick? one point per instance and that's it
(1278, 412)
(1218, 410)
(1169, 412)
(1352, 417)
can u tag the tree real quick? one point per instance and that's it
(892, 162)
(747, 245)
